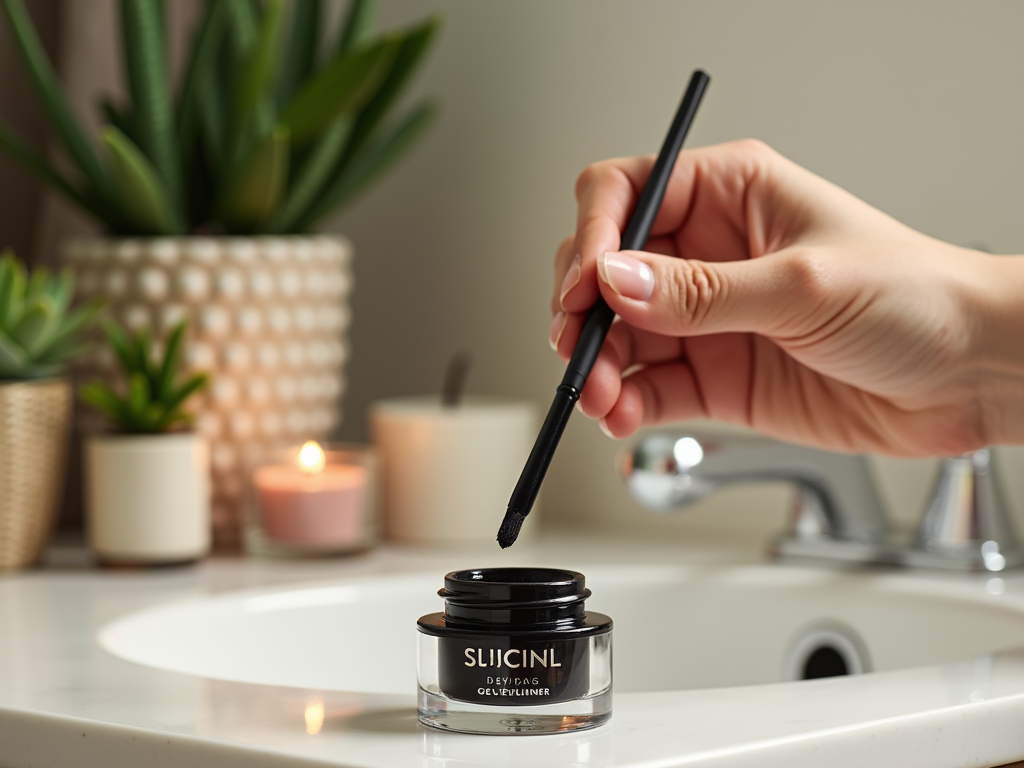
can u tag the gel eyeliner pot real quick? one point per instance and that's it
(515, 653)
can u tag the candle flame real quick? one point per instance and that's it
(314, 711)
(311, 459)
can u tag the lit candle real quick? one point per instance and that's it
(312, 503)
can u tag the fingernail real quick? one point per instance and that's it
(557, 326)
(628, 277)
(604, 428)
(579, 407)
(571, 277)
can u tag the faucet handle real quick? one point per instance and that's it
(966, 525)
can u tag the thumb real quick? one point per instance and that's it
(682, 297)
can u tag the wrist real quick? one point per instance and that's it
(995, 310)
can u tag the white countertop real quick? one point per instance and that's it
(64, 701)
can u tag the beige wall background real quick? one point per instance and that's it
(914, 105)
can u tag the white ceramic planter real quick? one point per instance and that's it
(268, 318)
(148, 497)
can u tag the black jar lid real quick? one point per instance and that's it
(525, 598)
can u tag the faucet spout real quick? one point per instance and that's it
(838, 514)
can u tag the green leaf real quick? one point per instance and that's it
(172, 356)
(414, 45)
(343, 85)
(185, 391)
(300, 52)
(13, 304)
(41, 168)
(139, 395)
(104, 399)
(211, 113)
(78, 320)
(32, 330)
(7, 267)
(139, 190)
(256, 189)
(358, 26)
(122, 346)
(143, 343)
(145, 64)
(254, 80)
(59, 352)
(311, 178)
(12, 357)
(371, 162)
(243, 18)
(200, 68)
(60, 290)
(49, 91)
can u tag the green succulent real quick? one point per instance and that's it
(155, 396)
(39, 336)
(262, 135)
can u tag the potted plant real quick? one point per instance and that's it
(147, 484)
(39, 336)
(208, 190)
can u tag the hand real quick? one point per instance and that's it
(772, 299)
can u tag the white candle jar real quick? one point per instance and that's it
(448, 471)
(312, 501)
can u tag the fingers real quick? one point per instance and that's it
(564, 257)
(655, 395)
(705, 212)
(778, 294)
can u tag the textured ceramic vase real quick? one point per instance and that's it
(148, 498)
(34, 422)
(267, 318)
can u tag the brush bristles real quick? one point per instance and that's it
(510, 526)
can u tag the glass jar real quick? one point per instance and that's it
(308, 501)
(514, 652)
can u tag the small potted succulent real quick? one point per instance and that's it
(147, 484)
(208, 189)
(39, 336)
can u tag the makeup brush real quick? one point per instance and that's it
(599, 320)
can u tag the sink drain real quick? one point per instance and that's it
(825, 650)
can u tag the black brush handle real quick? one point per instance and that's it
(600, 316)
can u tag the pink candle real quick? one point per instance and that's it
(312, 504)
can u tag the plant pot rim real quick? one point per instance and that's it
(143, 437)
(62, 379)
(337, 237)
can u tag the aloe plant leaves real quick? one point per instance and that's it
(139, 190)
(299, 59)
(145, 64)
(370, 162)
(358, 25)
(215, 158)
(319, 166)
(255, 190)
(52, 96)
(154, 398)
(37, 333)
(42, 169)
(251, 93)
(413, 47)
(343, 85)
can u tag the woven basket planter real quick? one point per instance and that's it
(34, 424)
(267, 318)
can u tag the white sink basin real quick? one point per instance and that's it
(675, 627)
(272, 664)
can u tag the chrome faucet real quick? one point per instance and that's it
(838, 515)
